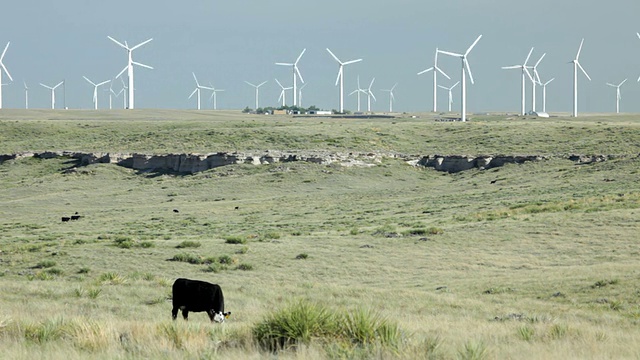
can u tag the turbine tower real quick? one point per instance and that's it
(129, 67)
(370, 95)
(576, 65)
(95, 91)
(435, 69)
(340, 77)
(450, 94)
(358, 91)
(53, 93)
(296, 73)
(544, 95)
(3, 68)
(535, 79)
(198, 89)
(465, 68)
(391, 97)
(283, 93)
(300, 95)
(523, 67)
(26, 95)
(214, 96)
(257, 91)
(618, 97)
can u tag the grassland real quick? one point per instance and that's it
(536, 261)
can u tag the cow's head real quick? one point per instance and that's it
(220, 316)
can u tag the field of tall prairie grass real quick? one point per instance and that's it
(536, 261)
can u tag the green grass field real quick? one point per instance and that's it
(536, 261)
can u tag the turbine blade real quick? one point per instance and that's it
(250, 83)
(90, 82)
(102, 83)
(6, 71)
(547, 83)
(583, 71)
(442, 72)
(339, 75)
(528, 56)
(539, 60)
(300, 56)
(284, 64)
(4, 51)
(195, 78)
(122, 72)
(143, 65)
(279, 83)
(472, 45)
(298, 72)
(466, 64)
(424, 71)
(394, 86)
(528, 74)
(262, 83)
(46, 86)
(335, 57)
(623, 81)
(512, 67)
(454, 85)
(142, 43)
(450, 53)
(354, 91)
(194, 91)
(443, 87)
(371, 84)
(579, 49)
(535, 73)
(118, 42)
(352, 61)
(373, 96)
(60, 83)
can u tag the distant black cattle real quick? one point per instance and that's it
(198, 296)
(65, 218)
(75, 217)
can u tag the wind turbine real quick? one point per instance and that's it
(3, 68)
(391, 97)
(535, 79)
(358, 91)
(370, 95)
(340, 77)
(214, 96)
(576, 65)
(257, 90)
(129, 67)
(26, 95)
(95, 90)
(296, 73)
(197, 89)
(524, 71)
(544, 95)
(300, 94)
(465, 67)
(53, 93)
(618, 97)
(435, 69)
(638, 38)
(450, 94)
(283, 93)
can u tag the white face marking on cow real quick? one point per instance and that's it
(218, 317)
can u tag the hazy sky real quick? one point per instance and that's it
(228, 42)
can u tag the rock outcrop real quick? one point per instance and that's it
(193, 163)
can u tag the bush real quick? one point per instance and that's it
(45, 264)
(271, 236)
(302, 256)
(112, 278)
(245, 267)
(188, 244)
(243, 250)
(226, 259)
(215, 267)
(302, 321)
(188, 258)
(235, 240)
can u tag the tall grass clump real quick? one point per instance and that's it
(304, 322)
(473, 350)
(235, 239)
(298, 323)
(188, 244)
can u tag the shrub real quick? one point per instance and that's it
(188, 244)
(271, 235)
(302, 256)
(45, 264)
(235, 240)
(146, 244)
(54, 271)
(84, 270)
(244, 266)
(188, 258)
(473, 351)
(112, 278)
(226, 259)
(94, 293)
(243, 250)
(364, 327)
(215, 267)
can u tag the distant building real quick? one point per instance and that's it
(320, 112)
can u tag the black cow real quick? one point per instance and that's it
(197, 296)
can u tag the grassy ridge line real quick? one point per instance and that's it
(156, 131)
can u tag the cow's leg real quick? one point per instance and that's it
(211, 314)
(174, 313)
(185, 314)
